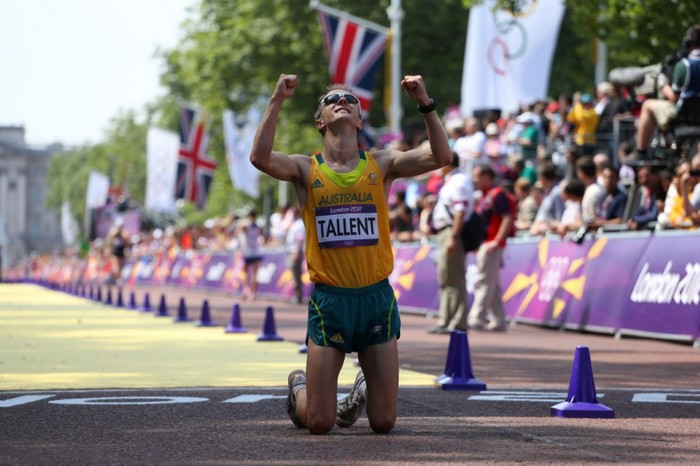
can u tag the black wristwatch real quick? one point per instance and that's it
(424, 109)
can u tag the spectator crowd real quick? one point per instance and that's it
(559, 159)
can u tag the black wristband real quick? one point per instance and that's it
(424, 109)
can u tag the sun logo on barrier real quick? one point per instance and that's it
(404, 274)
(553, 274)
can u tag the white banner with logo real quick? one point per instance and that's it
(508, 56)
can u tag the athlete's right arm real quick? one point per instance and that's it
(275, 164)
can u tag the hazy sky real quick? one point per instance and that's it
(68, 66)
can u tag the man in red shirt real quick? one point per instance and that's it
(497, 207)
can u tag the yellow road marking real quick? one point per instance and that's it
(52, 340)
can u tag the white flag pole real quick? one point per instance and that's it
(395, 14)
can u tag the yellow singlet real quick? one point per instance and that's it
(347, 225)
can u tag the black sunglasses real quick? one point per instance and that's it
(335, 98)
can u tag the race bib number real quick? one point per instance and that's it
(347, 225)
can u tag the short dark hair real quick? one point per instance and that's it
(574, 187)
(455, 160)
(586, 165)
(692, 36)
(549, 171)
(614, 170)
(486, 169)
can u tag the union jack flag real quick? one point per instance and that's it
(195, 170)
(354, 51)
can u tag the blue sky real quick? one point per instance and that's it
(68, 66)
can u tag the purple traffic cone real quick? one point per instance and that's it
(449, 361)
(459, 376)
(120, 298)
(108, 298)
(132, 300)
(582, 401)
(205, 316)
(269, 332)
(235, 325)
(162, 308)
(146, 306)
(182, 312)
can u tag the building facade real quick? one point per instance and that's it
(26, 224)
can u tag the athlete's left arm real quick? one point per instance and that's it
(399, 164)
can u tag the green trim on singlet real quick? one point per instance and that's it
(344, 180)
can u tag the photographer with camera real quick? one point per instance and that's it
(680, 97)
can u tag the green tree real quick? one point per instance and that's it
(232, 53)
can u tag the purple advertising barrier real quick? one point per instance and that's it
(214, 274)
(663, 296)
(180, 265)
(631, 283)
(529, 279)
(606, 273)
(164, 264)
(144, 270)
(199, 263)
(270, 272)
(414, 278)
(557, 288)
(275, 276)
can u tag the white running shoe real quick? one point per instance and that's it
(350, 408)
(296, 379)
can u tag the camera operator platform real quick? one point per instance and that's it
(679, 107)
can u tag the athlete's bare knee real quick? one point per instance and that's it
(318, 425)
(382, 425)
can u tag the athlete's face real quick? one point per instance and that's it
(338, 104)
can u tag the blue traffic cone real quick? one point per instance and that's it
(146, 306)
(108, 298)
(269, 332)
(449, 361)
(205, 316)
(120, 298)
(235, 325)
(132, 301)
(162, 308)
(458, 368)
(182, 312)
(582, 401)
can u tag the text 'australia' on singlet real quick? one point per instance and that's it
(347, 225)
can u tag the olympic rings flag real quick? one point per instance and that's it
(508, 56)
